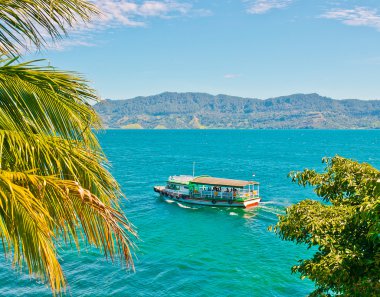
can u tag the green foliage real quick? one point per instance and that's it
(345, 229)
(54, 178)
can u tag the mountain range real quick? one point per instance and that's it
(172, 110)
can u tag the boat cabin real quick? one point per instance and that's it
(178, 184)
(207, 190)
(221, 188)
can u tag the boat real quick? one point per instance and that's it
(211, 191)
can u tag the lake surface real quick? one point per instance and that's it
(203, 251)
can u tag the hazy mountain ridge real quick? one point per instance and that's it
(202, 110)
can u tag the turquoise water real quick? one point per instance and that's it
(202, 251)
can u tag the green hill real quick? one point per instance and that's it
(201, 110)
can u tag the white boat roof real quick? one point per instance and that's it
(224, 182)
(180, 179)
(208, 180)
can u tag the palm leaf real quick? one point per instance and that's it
(46, 206)
(25, 23)
(54, 182)
(53, 173)
(25, 231)
(38, 99)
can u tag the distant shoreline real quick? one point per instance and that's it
(205, 111)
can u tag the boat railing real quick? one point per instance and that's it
(225, 195)
(240, 194)
(176, 192)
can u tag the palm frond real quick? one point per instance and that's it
(37, 99)
(54, 182)
(34, 22)
(53, 173)
(25, 230)
(68, 159)
(46, 207)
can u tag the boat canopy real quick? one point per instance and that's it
(180, 179)
(223, 182)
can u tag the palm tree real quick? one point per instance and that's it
(54, 184)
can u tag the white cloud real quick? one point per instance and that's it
(125, 13)
(263, 6)
(134, 14)
(358, 16)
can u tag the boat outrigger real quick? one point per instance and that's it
(207, 190)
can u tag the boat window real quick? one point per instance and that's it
(173, 186)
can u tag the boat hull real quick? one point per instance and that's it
(214, 202)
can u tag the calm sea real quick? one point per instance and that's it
(200, 251)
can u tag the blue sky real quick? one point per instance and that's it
(249, 48)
